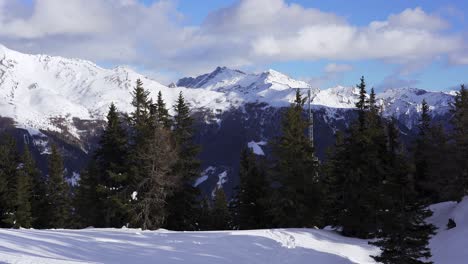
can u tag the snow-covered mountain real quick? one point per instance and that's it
(35, 90)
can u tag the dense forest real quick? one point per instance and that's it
(141, 175)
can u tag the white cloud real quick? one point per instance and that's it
(247, 33)
(338, 68)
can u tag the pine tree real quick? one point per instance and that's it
(24, 180)
(251, 202)
(8, 170)
(434, 164)
(361, 105)
(220, 215)
(162, 112)
(39, 201)
(421, 160)
(86, 201)
(404, 235)
(111, 169)
(58, 193)
(460, 136)
(355, 173)
(334, 172)
(183, 206)
(296, 169)
(142, 104)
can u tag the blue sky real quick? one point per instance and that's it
(396, 43)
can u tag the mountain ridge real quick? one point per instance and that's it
(36, 88)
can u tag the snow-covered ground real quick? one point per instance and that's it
(254, 246)
(136, 246)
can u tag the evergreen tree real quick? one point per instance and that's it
(24, 180)
(435, 175)
(251, 206)
(162, 112)
(297, 200)
(39, 201)
(220, 215)
(404, 235)
(362, 105)
(355, 173)
(86, 201)
(8, 170)
(142, 104)
(460, 137)
(111, 172)
(58, 193)
(183, 206)
(334, 172)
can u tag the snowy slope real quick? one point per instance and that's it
(406, 104)
(251, 246)
(135, 246)
(36, 88)
(270, 86)
(450, 246)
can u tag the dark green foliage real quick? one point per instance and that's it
(111, 169)
(435, 162)
(184, 205)
(8, 170)
(250, 205)
(24, 183)
(297, 200)
(58, 193)
(362, 105)
(403, 235)
(87, 202)
(39, 202)
(142, 104)
(162, 114)
(355, 171)
(460, 137)
(220, 215)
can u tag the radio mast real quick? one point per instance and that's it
(311, 119)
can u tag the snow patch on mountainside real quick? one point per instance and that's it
(256, 147)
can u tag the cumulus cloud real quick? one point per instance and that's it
(247, 33)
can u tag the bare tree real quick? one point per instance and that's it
(158, 182)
